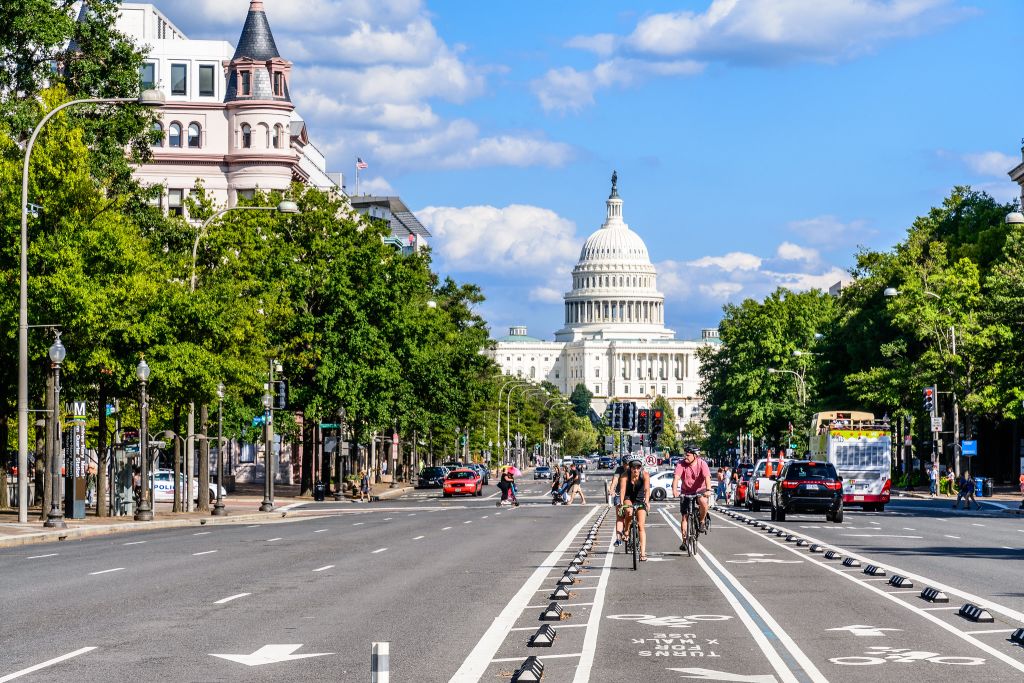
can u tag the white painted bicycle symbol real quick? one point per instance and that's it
(881, 654)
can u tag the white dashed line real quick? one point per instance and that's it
(201, 533)
(469, 521)
(358, 523)
(388, 519)
(43, 665)
(230, 598)
(418, 538)
(39, 557)
(205, 552)
(319, 531)
(324, 568)
(378, 550)
(271, 540)
(948, 536)
(446, 528)
(134, 543)
(107, 571)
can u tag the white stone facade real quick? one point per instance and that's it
(614, 340)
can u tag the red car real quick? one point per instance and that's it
(463, 481)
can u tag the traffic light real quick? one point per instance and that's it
(643, 420)
(641, 441)
(630, 417)
(281, 394)
(657, 421)
(609, 444)
(929, 400)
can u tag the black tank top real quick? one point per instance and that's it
(634, 492)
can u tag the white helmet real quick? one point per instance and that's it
(634, 458)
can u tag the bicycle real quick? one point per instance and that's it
(692, 524)
(632, 544)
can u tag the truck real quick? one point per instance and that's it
(860, 448)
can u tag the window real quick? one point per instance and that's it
(278, 137)
(279, 84)
(664, 390)
(246, 136)
(194, 135)
(597, 372)
(247, 194)
(174, 203)
(641, 388)
(679, 388)
(245, 78)
(206, 87)
(174, 135)
(179, 79)
(625, 390)
(158, 130)
(147, 76)
(597, 388)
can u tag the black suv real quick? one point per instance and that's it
(432, 477)
(808, 486)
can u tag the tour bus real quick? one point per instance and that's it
(860, 448)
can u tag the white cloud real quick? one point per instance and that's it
(516, 239)
(734, 260)
(721, 291)
(376, 186)
(602, 43)
(568, 89)
(829, 232)
(788, 251)
(995, 164)
(547, 295)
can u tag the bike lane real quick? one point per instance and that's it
(853, 626)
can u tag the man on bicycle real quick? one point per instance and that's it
(635, 494)
(692, 479)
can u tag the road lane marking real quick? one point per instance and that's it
(991, 630)
(324, 568)
(733, 591)
(476, 663)
(201, 533)
(446, 528)
(388, 519)
(541, 657)
(418, 538)
(358, 523)
(378, 550)
(560, 627)
(485, 517)
(923, 612)
(271, 540)
(205, 552)
(468, 521)
(230, 598)
(880, 536)
(583, 669)
(134, 543)
(39, 557)
(411, 514)
(976, 524)
(107, 571)
(252, 526)
(319, 531)
(43, 665)
(948, 536)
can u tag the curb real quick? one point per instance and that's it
(74, 534)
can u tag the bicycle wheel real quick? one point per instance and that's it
(634, 537)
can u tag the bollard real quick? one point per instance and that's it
(380, 666)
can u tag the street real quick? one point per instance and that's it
(456, 587)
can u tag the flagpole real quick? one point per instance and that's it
(357, 178)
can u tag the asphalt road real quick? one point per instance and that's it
(457, 586)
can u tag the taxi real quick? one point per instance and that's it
(463, 481)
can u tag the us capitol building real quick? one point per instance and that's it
(614, 340)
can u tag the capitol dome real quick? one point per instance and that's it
(614, 285)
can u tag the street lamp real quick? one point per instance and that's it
(55, 518)
(1015, 218)
(149, 98)
(339, 492)
(268, 454)
(801, 388)
(218, 508)
(144, 513)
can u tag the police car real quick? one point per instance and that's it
(163, 487)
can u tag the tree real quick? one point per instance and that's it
(668, 439)
(580, 399)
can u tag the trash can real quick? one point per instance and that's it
(318, 491)
(986, 490)
(979, 486)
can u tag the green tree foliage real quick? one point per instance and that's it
(668, 440)
(580, 399)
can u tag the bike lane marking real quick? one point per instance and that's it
(925, 612)
(758, 621)
(43, 665)
(479, 659)
(594, 622)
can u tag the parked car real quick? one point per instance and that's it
(163, 487)
(463, 481)
(431, 477)
(808, 486)
(542, 472)
(484, 473)
(759, 491)
(661, 485)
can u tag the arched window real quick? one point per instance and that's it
(246, 136)
(533, 373)
(278, 136)
(194, 135)
(158, 129)
(174, 135)
(264, 134)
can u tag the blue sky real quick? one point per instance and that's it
(758, 142)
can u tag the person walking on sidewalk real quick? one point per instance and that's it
(933, 478)
(575, 479)
(965, 491)
(1022, 490)
(364, 486)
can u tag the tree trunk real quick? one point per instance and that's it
(204, 459)
(102, 455)
(306, 448)
(176, 426)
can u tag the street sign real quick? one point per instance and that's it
(968, 448)
(650, 460)
(329, 425)
(936, 424)
(259, 420)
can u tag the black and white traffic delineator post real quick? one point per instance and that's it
(553, 612)
(573, 569)
(872, 570)
(380, 664)
(544, 637)
(780, 532)
(532, 669)
(900, 581)
(972, 612)
(561, 593)
(815, 548)
(802, 543)
(851, 562)
(833, 555)
(566, 580)
(790, 538)
(582, 554)
(934, 595)
(1017, 637)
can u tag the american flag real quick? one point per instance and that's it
(360, 164)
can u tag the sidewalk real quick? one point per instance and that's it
(1008, 501)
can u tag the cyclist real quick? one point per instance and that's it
(635, 493)
(616, 500)
(692, 479)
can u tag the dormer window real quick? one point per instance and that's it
(245, 79)
(279, 84)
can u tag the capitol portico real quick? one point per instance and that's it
(614, 340)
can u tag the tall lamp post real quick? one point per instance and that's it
(268, 454)
(153, 98)
(145, 511)
(218, 508)
(55, 518)
(339, 491)
(801, 388)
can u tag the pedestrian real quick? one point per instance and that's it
(556, 484)
(364, 486)
(933, 478)
(734, 481)
(506, 484)
(1022, 490)
(971, 485)
(720, 487)
(575, 480)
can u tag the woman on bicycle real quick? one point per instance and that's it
(635, 493)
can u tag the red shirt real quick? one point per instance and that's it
(694, 477)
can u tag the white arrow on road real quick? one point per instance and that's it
(712, 675)
(865, 631)
(271, 654)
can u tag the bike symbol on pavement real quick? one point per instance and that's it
(652, 620)
(880, 654)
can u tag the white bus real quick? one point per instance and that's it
(860, 448)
